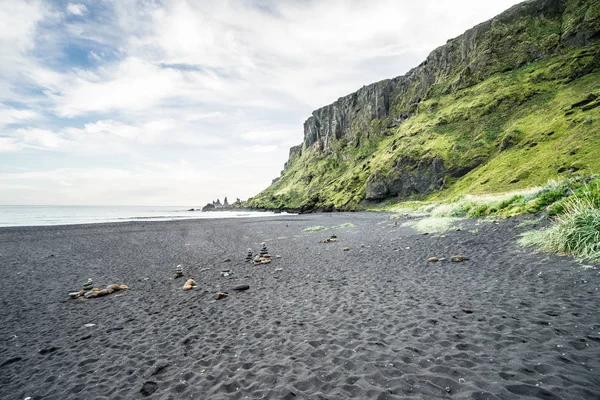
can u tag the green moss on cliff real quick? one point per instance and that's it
(516, 129)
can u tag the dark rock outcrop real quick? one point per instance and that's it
(209, 207)
(409, 177)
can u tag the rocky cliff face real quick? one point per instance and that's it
(348, 117)
(527, 33)
(490, 47)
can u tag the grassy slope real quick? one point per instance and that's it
(528, 111)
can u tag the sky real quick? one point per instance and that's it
(160, 102)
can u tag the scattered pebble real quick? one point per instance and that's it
(89, 325)
(433, 259)
(221, 295)
(278, 269)
(148, 388)
(227, 260)
(189, 284)
(458, 258)
(241, 287)
(48, 350)
(346, 248)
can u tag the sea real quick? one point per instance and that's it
(70, 215)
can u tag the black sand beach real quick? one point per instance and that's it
(376, 321)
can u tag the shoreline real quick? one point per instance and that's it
(366, 316)
(145, 219)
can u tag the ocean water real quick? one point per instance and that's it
(69, 215)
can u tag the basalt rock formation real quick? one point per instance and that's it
(491, 110)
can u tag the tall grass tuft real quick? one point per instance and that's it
(575, 232)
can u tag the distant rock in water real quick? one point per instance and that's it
(216, 205)
(209, 207)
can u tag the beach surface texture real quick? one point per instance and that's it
(363, 316)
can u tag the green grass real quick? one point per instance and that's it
(435, 225)
(530, 222)
(575, 232)
(345, 225)
(315, 228)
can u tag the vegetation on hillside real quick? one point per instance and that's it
(514, 130)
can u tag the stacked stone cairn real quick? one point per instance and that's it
(263, 257)
(178, 272)
(248, 256)
(89, 285)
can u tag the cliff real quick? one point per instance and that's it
(482, 113)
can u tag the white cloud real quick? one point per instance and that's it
(172, 183)
(92, 55)
(10, 115)
(269, 135)
(77, 9)
(18, 23)
(9, 144)
(197, 99)
(110, 137)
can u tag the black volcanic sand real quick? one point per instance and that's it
(376, 322)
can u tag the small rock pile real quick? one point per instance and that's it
(263, 257)
(88, 290)
(331, 239)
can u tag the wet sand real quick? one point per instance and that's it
(376, 321)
